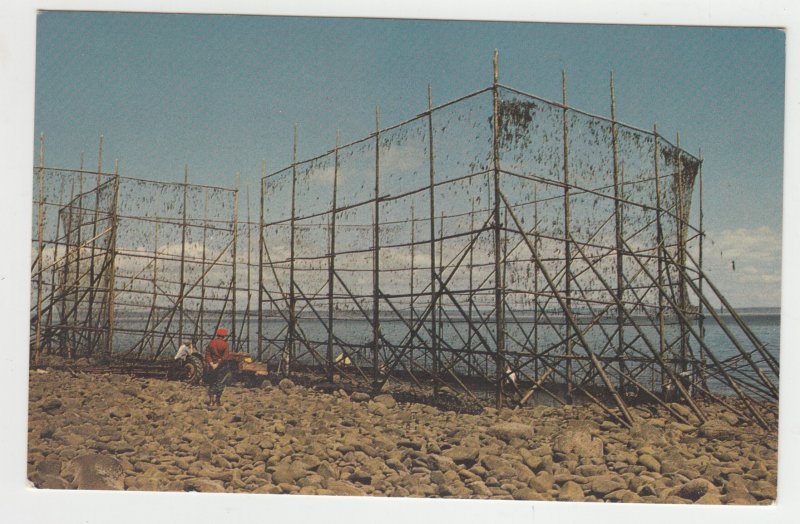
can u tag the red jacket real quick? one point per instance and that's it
(218, 351)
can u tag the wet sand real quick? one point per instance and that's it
(89, 431)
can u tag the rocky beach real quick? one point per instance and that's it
(116, 432)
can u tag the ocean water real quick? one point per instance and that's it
(354, 337)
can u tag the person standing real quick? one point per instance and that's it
(218, 358)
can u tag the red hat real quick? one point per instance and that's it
(222, 332)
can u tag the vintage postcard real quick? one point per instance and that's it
(385, 258)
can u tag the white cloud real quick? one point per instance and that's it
(745, 265)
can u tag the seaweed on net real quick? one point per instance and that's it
(532, 159)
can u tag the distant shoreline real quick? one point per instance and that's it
(522, 316)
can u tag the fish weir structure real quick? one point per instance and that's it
(497, 247)
(126, 267)
(503, 244)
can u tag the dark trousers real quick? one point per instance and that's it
(220, 377)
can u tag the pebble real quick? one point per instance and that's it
(117, 432)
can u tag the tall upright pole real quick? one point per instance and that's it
(260, 329)
(65, 273)
(470, 356)
(662, 342)
(681, 253)
(234, 257)
(567, 244)
(411, 283)
(376, 252)
(332, 261)
(536, 287)
(619, 236)
(155, 274)
(183, 253)
(203, 269)
(432, 238)
(292, 318)
(92, 284)
(506, 367)
(40, 252)
(249, 271)
(78, 256)
(701, 317)
(498, 280)
(440, 326)
(53, 271)
(112, 270)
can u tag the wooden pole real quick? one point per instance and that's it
(332, 260)
(440, 316)
(505, 279)
(200, 336)
(292, 317)
(180, 303)
(40, 251)
(619, 235)
(75, 331)
(64, 333)
(567, 247)
(682, 303)
(260, 329)
(155, 274)
(112, 270)
(536, 288)
(249, 272)
(498, 280)
(432, 231)
(411, 295)
(470, 276)
(701, 317)
(51, 301)
(92, 280)
(662, 343)
(234, 264)
(376, 254)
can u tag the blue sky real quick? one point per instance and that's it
(222, 94)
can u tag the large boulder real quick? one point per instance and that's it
(694, 489)
(92, 471)
(647, 432)
(578, 441)
(441, 463)
(385, 399)
(672, 461)
(570, 492)
(359, 396)
(45, 481)
(286, 384)
(649, 462)
(542, 482)
(49, 467)
(289, 473)
(466, 455)
(510, 430)
(605, 484)
(718, 429)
